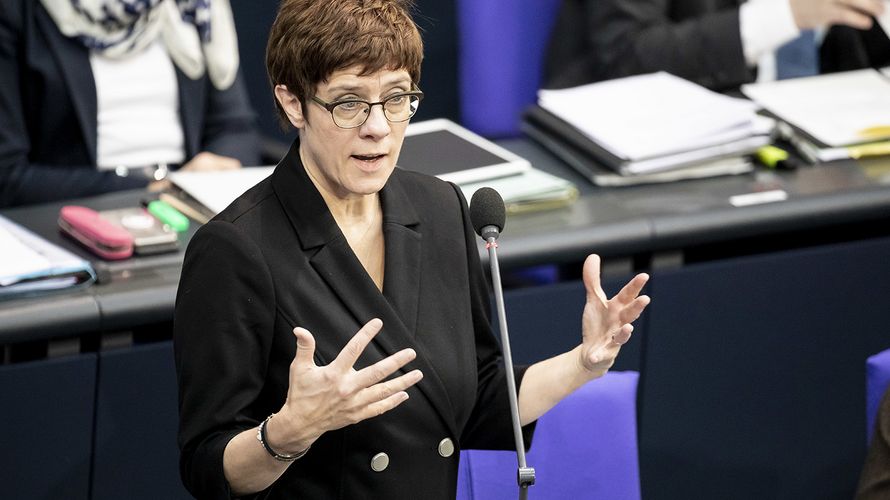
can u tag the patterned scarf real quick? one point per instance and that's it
(198, 34)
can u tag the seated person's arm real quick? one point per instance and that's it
(618, 38)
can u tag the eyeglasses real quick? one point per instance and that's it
(352, 113)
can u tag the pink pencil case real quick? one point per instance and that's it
(100, 236)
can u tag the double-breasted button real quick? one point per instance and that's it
(379, 462)
(446, 447)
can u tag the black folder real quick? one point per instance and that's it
(595, 162)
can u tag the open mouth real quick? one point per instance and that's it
(368, 157)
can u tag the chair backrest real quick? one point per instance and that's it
(502, 46)
(877, 378)
(585, 447)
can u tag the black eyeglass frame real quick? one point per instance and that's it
(331, 105)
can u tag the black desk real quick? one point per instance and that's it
(761, 320)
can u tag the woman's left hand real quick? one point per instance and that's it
(606, 323)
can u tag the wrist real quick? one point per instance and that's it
(585, 369)
(273, 435)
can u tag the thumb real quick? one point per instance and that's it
(305, 347)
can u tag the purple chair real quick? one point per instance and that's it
(877, 378)
(502, 45)
(584, 448)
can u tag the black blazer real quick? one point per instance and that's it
(276, 259)
(48, 114)
(699, 40)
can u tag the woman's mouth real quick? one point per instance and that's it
(370, 162)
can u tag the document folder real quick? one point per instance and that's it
(606, 169)
(30, 264)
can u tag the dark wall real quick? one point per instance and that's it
(438, 25)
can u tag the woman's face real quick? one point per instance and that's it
(357, 161)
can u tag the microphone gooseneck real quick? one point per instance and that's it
(488, 214)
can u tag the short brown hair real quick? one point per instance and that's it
(311, 39)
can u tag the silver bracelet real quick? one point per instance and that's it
(261, 437)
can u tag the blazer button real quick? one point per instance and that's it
(446, 447)
(380, 462)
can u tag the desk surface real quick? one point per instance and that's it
(614, 222)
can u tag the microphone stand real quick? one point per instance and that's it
(525, 475)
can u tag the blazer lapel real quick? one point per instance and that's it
(335, 262)
(74, 61)
(401, 280)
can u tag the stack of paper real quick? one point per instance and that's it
(203, 194)
(649, 123)
(834, 116)
(28, 263)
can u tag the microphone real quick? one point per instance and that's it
(487, 213)
(488, 216)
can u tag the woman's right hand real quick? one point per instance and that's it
(325, 398)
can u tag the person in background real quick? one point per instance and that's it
(719, 44)
(332, 328)
(104, 95)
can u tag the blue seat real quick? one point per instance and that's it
(585, 447)
(502, 45)
(877, 379)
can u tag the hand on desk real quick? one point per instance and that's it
(204, 161)
(325, 398)
(810, 14)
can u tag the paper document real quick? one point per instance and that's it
(530, 190)
(216, 190)
(28, 262)
(838, 109)
(651, 115)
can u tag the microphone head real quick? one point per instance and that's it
(487, 209)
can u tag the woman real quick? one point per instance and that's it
(103, 95)
(279, 396)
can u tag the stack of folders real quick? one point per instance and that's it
(30, 264)
(831, 117)
(647, 128)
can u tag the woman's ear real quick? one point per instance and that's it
(291, 106)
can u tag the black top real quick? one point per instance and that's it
(276, 259)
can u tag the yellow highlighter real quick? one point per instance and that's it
(875, 133)
(872, 149)
(774, 157)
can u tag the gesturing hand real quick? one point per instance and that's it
(606, 323)
(324, 398)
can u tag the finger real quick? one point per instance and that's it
(226, 163)
(381, 407)
(853, 14)
(357, 344)
(632, 288)
(305, 347)
(375, 373)
(632, 311)
(591, 276)
(380, 392)
(623, 334)
(867, 7)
